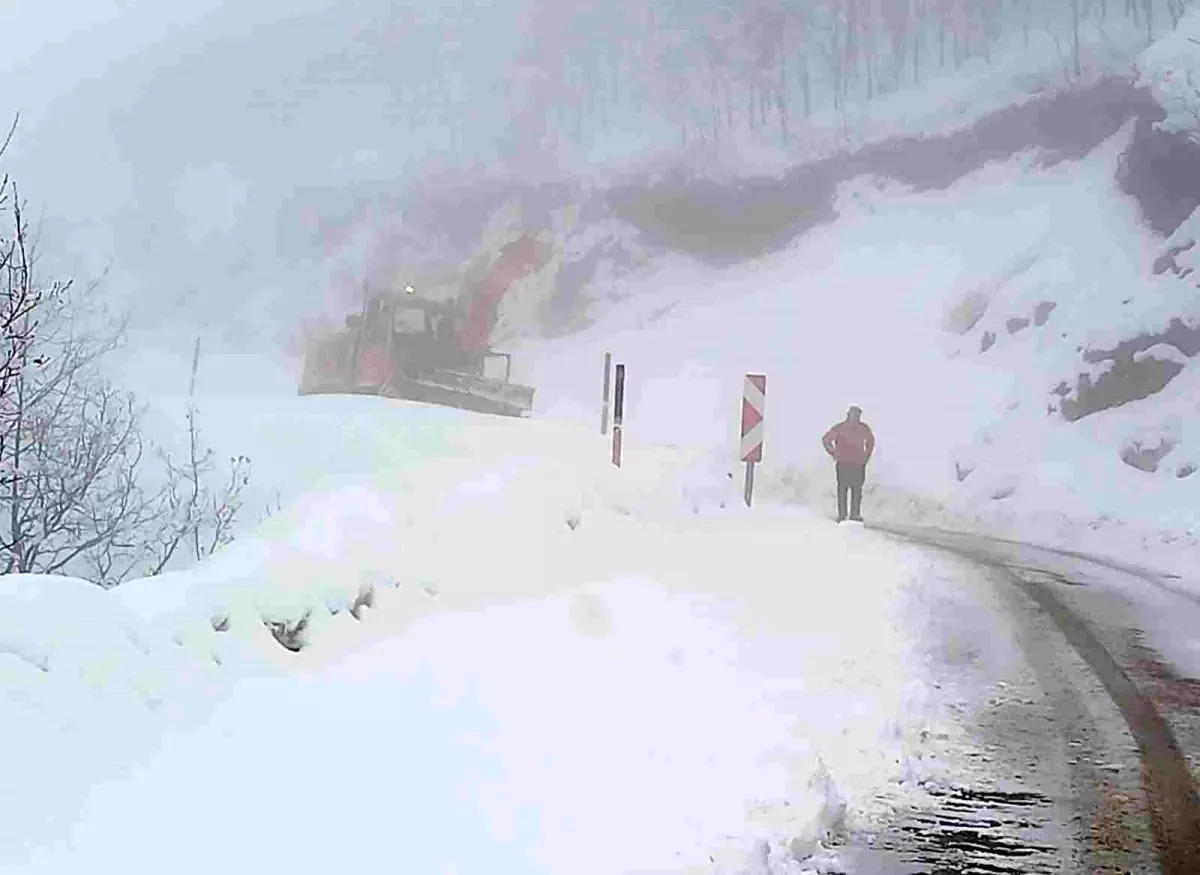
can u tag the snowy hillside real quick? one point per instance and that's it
(973, 323)
(1013, 302)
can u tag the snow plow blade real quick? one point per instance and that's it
(444, 388)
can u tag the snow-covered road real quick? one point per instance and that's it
(1080, 678)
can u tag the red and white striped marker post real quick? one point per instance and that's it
(607, 390)
(754, 407)
(618, 415)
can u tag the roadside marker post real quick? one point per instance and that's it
(618, 414)
(607, 390)
(754, 406)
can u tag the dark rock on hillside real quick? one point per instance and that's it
(1041, 313)
(1166, 261)
(1161, 171)
(1146, 457)
(1183, 337)
(1131, 377)
(1127, 381)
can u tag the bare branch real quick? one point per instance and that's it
(12, 130)
(72, 455)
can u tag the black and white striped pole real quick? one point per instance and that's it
(618, 414)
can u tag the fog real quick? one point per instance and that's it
(232, 165)
(180, 143)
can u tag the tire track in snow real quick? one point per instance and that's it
(1149, 575)
(1167, 781)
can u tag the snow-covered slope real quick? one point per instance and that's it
(463, 647)
(1018, 329)
(971, 324)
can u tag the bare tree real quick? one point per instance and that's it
(70, 448)
(897, 21)
(831, 25)
(196, 515)
(1078, 69)
(75, 484)
(20, 297)
(1027, 22)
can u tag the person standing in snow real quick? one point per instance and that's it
(850, 443)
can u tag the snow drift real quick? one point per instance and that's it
(495, 634)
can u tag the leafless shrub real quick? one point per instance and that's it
(74, 463)
(195, 514)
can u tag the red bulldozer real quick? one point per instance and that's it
(402, 345)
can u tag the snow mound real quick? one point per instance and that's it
(498, 634)
(389, 495)
(85, 687)
(700, 698)
(1171, 68)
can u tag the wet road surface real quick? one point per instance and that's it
(1080, 749)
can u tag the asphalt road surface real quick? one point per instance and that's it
(1082, 745)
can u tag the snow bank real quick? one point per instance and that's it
(1171, 69)
(85, 687)
(712, 695)
(385, 495)
(501, 636)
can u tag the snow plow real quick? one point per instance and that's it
(405, 346)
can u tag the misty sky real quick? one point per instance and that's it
(188, 141)
(179, 139)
